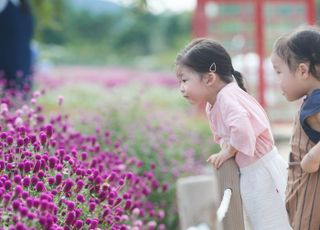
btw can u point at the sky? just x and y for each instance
(160, 6)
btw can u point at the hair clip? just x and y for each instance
(213, 67)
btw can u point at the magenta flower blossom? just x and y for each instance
(70, 218)
(78, 224)
(68, 185)
(9, 140)
(49, 130)
(50, 172)
(43, 138)
(58, 178)
(26, 182)
(92, 206)
(70, 205)
(40, 186)
(52, 162)
(81, 198)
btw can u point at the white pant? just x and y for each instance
(262, 187)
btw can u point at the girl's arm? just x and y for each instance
(226, 153)
(310, 162)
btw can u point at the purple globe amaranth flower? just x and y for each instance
(121, 182)
(59, 167)
(36, 202)
(9, 140)
(20, 142)
(37, 166)
(15, 205)
(17, 179)
(49, 130)
(71, 205)
(67, 158)
(26, 182)
(51, 180)
(43, 221)
(8, 185)
(93, 224)
(128, 204)
(20, 226)
(98, 180)
(29, 202)
(23, 211)
(79, 172)
(33, 138)
(54, 192)
(165, 187)
(52, 162)
(43, 138)
(3, 135)
(18, 190)
(6, 198)
(84, 156)
(118, 201)
(78, 224)
(78, 212)
(30, 216)
(81, 198)
(80, 185)
(112, 176)
(24, 195)
(2, 164)
(26, 141)
(40, 187)
(41, 174)
(43, 205)
(153, 166)
(92, 206)
(34, 180)
(70, 218)
(59, 178)
(27, 166)
(9, 166)
(68, 185)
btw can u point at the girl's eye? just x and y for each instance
(184, 80)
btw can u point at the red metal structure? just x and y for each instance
(200, 27)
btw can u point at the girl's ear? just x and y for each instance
(303, 70)
(210, 79)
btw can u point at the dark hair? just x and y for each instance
(24, 6)
(201, 53)
(300, 46)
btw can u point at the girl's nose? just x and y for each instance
(181, 88)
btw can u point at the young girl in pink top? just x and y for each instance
(241, 128)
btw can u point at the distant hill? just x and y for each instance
(96, 6)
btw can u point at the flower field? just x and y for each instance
(98, 150)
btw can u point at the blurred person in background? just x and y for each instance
(16, 31)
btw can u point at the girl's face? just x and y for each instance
(291, 83)
(192, 87)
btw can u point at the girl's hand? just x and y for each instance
(310, 162)
(219, 158)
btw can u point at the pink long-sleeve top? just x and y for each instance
(236, 118)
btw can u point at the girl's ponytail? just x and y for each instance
(239, 78)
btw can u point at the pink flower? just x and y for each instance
(60, 100)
